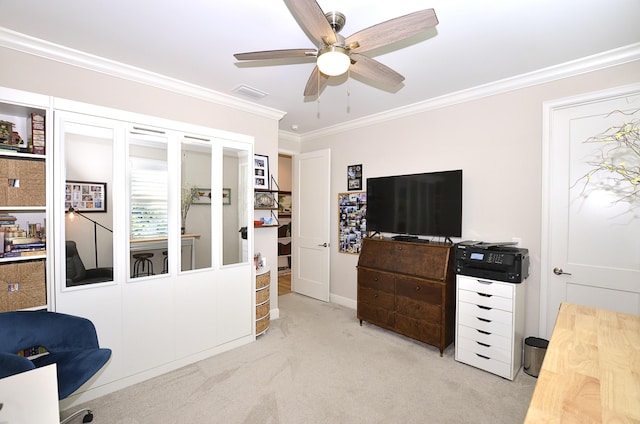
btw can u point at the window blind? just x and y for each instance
(149, 199)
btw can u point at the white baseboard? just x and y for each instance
(344, 301)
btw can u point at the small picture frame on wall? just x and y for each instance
(204, 196)
(226, 196)
(354, 177)
(85, 196)
(261, 172)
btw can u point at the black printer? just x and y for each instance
(494, 261)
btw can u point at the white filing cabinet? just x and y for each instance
(489, 324)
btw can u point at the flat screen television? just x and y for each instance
(428, 204)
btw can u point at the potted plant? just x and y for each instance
(188, 196)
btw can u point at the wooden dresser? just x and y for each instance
(591, 370)
(408, 288)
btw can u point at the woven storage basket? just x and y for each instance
(263, 280)
(262, 295)
(262, 325)
(24, 285)
(262, 310)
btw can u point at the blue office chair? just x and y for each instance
(70, 342)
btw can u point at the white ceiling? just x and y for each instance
(475, 43)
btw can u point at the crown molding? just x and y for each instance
(587, 64)
(45, 49)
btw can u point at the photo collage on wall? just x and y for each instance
(352, 221)
(85, 196)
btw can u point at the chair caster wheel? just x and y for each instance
(88, 418)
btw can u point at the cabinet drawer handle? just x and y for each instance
(375, 278)
(484, 344)
(483, 332)
(485, 295)
(375, 296)
(486, 308)
(482, 356)
(483, 319)
(417, 288)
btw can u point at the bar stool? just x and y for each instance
(142, 266)
(165, 262)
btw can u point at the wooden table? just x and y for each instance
(591, 370)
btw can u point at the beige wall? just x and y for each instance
(496, 140)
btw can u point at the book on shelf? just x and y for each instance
(29, 246)
(22, 240)
(37, 133)
(19, 254)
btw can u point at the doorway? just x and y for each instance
(284, 228)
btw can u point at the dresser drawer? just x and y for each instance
(484, 362)
(484, 286)
(487, 300)
(379, 316)
(377, 298)
(484, 349)
(485, 312)
(419, 310)
(482, 324)
(418, 329)
(490, 339)
(421, 290)
(377, 280)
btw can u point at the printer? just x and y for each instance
(494, 261)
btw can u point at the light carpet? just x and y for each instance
(316, 364)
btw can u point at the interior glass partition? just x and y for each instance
(197, 202)
(148, 204)
(235, 216)
(88, 223)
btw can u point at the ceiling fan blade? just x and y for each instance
(392, 30)
(374, 70)
(316, 83)
(276, 54)
(311, 17)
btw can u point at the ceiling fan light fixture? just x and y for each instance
(333, 60)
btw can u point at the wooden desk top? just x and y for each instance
(146, 240)
(591, 370)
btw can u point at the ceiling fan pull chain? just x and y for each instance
(349, 89)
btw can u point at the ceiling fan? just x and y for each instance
(336, 54)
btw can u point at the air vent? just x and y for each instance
(251, 92)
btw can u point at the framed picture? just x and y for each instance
(204, 196)
(352, 221)
(226, 196)
(85, 196)
(261, 172)
(264, 200)
(284, 203)
(354, 177)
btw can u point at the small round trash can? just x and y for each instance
(534, 350)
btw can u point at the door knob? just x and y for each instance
(323, 245)
(559, 271)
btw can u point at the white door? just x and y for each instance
(310, 232)
(591, 235)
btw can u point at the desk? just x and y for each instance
(158, 243)
(30, 397)
(591, 370)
